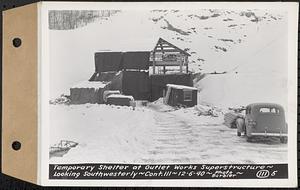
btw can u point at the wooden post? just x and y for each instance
(187, 63)
(181, 64)
(153, 62)
(162, 51)
(187, 68)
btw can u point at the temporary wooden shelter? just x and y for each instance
(126, 72)
(180, 95)
(88, 92)
(169, 65)
(130, 73)
(119, 61)
(158, 83)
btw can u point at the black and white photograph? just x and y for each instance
(159, 86)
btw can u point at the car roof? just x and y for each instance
(265, 104)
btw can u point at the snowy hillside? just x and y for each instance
(256, 71)
(210, 35)
(248, 44)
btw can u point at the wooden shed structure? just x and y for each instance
(180, 95)
(158, 83)
(88, 92)
(121, 61)
(141, 74)
(126, 72)
(168, 65)
(168, 57)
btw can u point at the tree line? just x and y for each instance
(72, 19)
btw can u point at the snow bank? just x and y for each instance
(201, 115)
(256, 72)
(104, 133)
(159, 105)
(234, 90)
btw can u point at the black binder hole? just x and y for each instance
(17, 42)
(16, 145)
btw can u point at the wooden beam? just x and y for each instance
(180, 66)
(153, 63)
(180, 50)
(186, 62)
(156, 45)
(167, 63)
(161, 48)
(164, 42)
(169, 50)
(166, 45)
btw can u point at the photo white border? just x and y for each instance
(290, 7)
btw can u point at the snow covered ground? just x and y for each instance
(249, 45)
(104, 133)
(153, 134)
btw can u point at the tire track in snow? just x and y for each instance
(172, 137)
(180, 140)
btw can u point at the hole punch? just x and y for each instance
(16, 145)
(17, 42)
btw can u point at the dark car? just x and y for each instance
(264, 120)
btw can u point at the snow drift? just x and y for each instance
(255, 72)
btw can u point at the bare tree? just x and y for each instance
(71, 19)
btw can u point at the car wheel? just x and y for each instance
(283, 140)
(238, 133)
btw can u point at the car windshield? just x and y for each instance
(269, 110)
